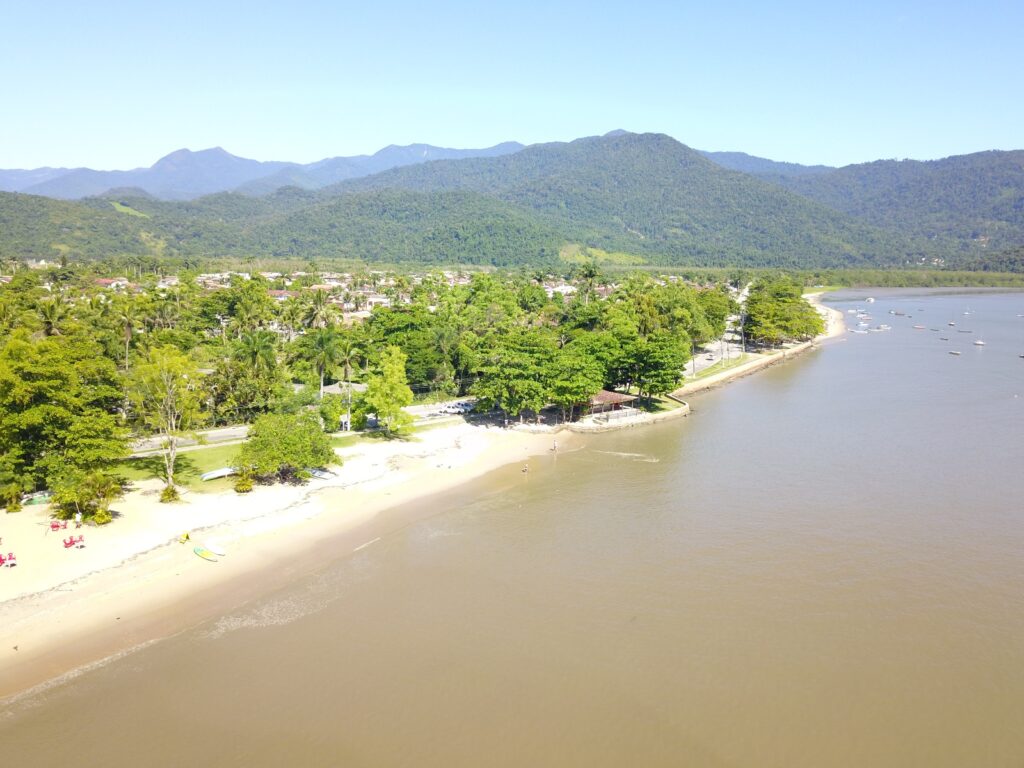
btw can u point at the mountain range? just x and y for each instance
(646, 197)
(185, 175)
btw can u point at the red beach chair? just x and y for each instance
(69, 542)
(10, 563)
(2, 559)
(80, 541)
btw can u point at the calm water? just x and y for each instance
(823, 566)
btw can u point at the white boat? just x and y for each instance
(217, 473)
(979, 343)
(950, 323)
(857, 330)
(870, 300)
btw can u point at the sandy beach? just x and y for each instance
(134, 582)
(63, 609)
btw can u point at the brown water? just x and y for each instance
(823, 566)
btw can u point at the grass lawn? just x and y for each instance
(187, 469)
(721, 365)
(122, 208)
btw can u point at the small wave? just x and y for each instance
(273, 614)
(33, 696)
(644, 457)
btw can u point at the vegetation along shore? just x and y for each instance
(332, 387)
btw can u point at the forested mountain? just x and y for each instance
(770, 170)
(649, 194)
(976, 200)
(645, 195)
(185, 175)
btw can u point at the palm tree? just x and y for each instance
(324, 352)
(52, 313)
(290, 317)
(319, 312)
(256, 350)
(349, 353)
(128, 318)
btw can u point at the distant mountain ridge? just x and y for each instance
(761, 167)
(187, 175)
(646, 196)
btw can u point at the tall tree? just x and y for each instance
(388, 392)
(167, 392)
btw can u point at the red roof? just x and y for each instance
(604, 397)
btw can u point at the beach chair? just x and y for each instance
(80, 541)
(58, 525)
(11, 560)
(69, 542)
(2, 559)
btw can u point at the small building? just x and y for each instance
(606, 401)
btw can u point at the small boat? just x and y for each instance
(854, 311)
(869, 300)
(857, 330)
(934, 329)
(963, 331)
(953, 352)
(979, 343)
(943, 338)
(217, 473)
(918, 327)
(950, 323)
(206, 554)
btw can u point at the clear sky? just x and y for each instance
(118, 85)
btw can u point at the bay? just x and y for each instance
(822, 566)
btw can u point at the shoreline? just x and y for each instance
(835, 326)
(134, 583)
(64, 612)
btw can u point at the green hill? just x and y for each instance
(642, 196)
(649, 194)
(974, 200)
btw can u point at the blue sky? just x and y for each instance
(119, 85)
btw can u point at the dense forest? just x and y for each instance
(87, 362)
(646, 196)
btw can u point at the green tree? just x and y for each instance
(89, 494)
(166, 390)
(388, 392)
(255, 349)
(513, 376)
(285, 446)
(574, 378)
(322, 349)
